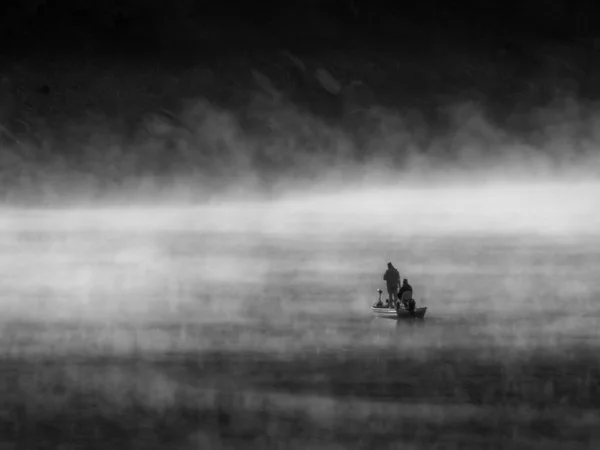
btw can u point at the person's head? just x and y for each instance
(405, 281)
(390, 265)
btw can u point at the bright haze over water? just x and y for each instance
(311, 253)
(566, 208)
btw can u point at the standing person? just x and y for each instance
(392, 279)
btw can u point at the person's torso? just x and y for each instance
(392, 276)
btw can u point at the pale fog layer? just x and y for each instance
(517, 263)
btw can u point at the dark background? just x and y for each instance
(63, 21)
(83, 76)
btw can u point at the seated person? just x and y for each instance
(406, 288)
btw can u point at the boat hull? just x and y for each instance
(400, 313)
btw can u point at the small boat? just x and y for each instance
(400, 313)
